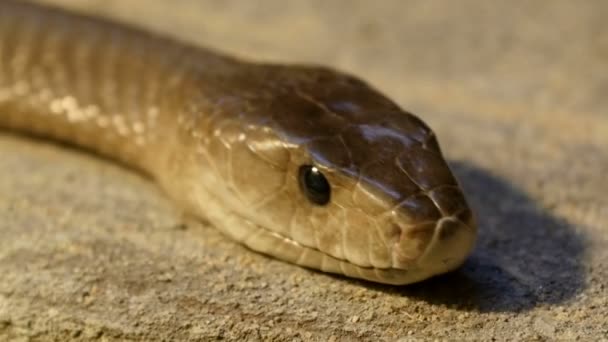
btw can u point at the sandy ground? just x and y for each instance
(517, 93)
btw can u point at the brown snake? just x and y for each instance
(303, 163)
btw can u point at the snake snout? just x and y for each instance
(452, 242)
(442, 239)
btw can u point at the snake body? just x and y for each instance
(303, 163)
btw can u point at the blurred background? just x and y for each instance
(517, 92)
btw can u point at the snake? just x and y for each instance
(300, 162)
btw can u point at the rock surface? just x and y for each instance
(516, 92)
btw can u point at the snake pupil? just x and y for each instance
(314, 185)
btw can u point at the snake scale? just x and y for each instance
(303, 163)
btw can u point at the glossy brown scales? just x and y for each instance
(350, 131)
(227, 138)
(349, 127)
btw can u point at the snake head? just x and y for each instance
(332, 175)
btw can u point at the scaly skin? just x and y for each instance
(226, 138)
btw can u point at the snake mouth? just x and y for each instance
(452, 240)
(440, 245)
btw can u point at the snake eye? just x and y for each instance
(314, 185)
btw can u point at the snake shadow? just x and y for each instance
(524, 257)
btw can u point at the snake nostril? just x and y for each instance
(394, 233)
(411, 244)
